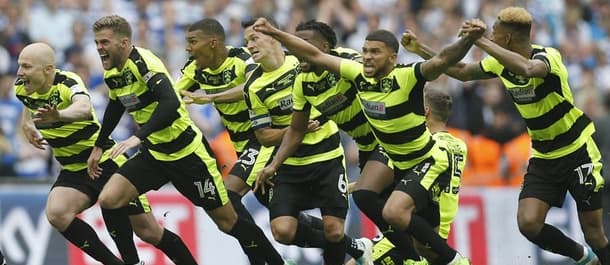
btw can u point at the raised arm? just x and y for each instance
(453, 53)
(513, 61)
(299, 47)
(460, 71)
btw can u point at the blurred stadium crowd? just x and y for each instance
(483, 115)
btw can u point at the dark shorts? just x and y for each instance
(377, 154)
(579, 173)
(326, 188)
(195, 176)
(424, 183)
(252, 160)
(80, 180)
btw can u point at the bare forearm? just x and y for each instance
(448, 56)
(453, 53)
(76, 112)
(425, 51)
(290, 144)
(231, 95)
(297, 46)
(270, 137)
(511, 60)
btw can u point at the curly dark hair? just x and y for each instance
(322, 28)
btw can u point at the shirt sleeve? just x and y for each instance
(491, 66)
(299, 102)
(350, 69)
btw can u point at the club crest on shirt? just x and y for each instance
(118, 81)
(222, 78)
(386, 85)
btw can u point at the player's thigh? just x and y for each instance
(117, 192)
(74, 191)
(252, 160)
(66, 200)
(331, 195)
(375, 176)
(142, 173)
(198, 179)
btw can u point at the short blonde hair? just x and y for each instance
(516, 16)
(117, 24)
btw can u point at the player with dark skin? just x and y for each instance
(408, 143)
(565, 157)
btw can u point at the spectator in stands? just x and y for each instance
(10, 112)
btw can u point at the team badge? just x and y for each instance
(227, 75)
(386, 85)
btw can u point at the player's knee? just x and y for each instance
(333, 229)
(529, 226)
(395, 215)
(282, 233)
(333, 234)
(59, 218)
(108, 200)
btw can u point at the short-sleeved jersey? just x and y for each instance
(336, 99)
(394, 108)
(555, 125)
(231, 73)
(457, 152)
(130, 87)
(269, 98)
(71, 142)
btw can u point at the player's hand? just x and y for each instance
(351, 187)
(473, 29)
(46, 114)
(34, 137)
(195, 98)
(93, 162)
(262, 25)
(264, 178)
(313, 125)
(123, 146)
(410, 42)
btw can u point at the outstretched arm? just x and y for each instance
(453, 53)
(79, 110)
(299, 47)
(232, 95)
(460, 71)
(513, 61)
